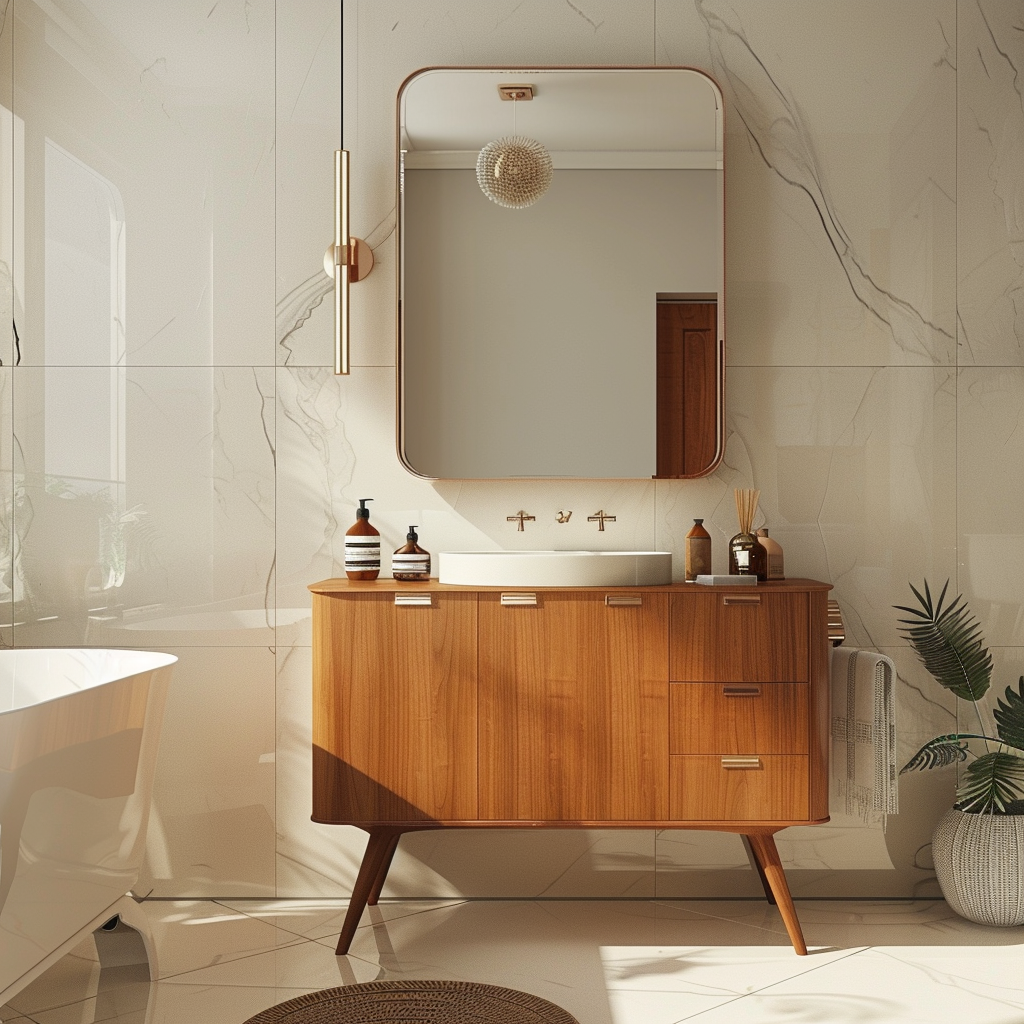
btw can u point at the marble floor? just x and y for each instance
(610, 962)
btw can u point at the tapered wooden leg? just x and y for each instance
(756, 864)
(763, 847)
(382, 874)
(379, 850)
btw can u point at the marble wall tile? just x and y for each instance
(990, 496)
(147, 491)
(176, 114)
(212, 826)
(856, 467)
(840, 199)
(308, 131)
(990, 187)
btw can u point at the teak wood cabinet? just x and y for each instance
(680, 706)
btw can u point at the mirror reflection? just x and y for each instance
(579, 335)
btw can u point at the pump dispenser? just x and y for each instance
(362, 546)
(410, 562)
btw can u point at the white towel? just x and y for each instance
(863, 734)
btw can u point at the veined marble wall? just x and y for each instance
(178, 461)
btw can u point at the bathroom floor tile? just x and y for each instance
(192, 934)
(306, 965)
(605, 962)
(874, 985)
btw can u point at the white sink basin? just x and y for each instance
(555, 568)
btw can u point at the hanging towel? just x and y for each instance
(863, 748)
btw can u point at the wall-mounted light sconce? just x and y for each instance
(347, 260)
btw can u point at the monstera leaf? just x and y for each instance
(948, 641)
(939, 752)
(993, 784)
(1010, 716)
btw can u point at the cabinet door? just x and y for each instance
(740, 638)
(573, 708)
(394, 709)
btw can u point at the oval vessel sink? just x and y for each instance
(555, 568)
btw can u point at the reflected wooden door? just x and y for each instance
(687, 387)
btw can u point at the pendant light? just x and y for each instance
(514, 171)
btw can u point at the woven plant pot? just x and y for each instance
(979, 860)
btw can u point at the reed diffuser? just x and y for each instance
(746, 556)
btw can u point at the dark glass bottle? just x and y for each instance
(698, 551)
(747, 557)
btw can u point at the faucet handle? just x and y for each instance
(521, 517)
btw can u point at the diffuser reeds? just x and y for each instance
(746, 506)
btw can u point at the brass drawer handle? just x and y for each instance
(414, 600)
(741, 599)
(741, 691)
(623, 600)
(514, 600)
(741, 762)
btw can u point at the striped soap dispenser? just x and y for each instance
(362, 546)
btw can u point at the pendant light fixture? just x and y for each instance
(514, 171)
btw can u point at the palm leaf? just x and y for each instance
(939, 752)
(949, 643)
(1010, 716)
(992, 784)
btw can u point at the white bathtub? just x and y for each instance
(78, 739)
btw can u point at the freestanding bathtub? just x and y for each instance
(79, 731)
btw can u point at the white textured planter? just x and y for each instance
(979, 860)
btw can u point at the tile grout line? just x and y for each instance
(783, 981)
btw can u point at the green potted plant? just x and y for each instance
(978, 846)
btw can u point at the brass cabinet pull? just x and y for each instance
(741, 691)
(623, 600)
(512, 600)
(414, 600)
(741, 599)
(733, 763)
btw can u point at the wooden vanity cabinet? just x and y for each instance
(679, 706)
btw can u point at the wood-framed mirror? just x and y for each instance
(582, 335)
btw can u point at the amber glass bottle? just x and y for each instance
(362, 546)
(698, 551)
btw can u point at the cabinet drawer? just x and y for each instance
(738, 718)
(711, 788)
(745, 637)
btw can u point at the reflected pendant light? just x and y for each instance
(514, 171)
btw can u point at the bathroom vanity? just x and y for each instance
(678, 706)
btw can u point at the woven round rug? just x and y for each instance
(415, 1002)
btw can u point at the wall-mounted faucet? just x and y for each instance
(521, 517)
(600, 518)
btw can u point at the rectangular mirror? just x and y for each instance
(581, 335)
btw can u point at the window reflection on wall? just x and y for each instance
(72, 515)
(84, 316)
